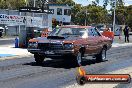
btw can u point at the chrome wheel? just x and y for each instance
(79, 58)
(103, 54)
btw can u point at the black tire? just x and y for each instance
(39, 58)
(101, 56)
(0, 34)
(69, 59)
(81, 80)
(74, 59)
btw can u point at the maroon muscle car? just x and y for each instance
(70, 42)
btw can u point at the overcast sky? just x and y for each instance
(86, 2)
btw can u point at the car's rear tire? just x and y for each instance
(39, 58)
(101, 56)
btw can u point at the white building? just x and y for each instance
(62, 14)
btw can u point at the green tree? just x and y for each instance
(15, 4)
(3, 4)
(75, 13)
(95, 14)
(121, 14)
(11, 4)
(68, 2)
(96, 2)
(129, 16)
(118, 3)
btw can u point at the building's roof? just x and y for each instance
(57, 5)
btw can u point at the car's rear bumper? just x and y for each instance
(51, 52)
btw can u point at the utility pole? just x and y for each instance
(114, 15)
(34, 2)
(26, 1)
(86, 17)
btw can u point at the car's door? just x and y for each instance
(98, 39)
(92, 42)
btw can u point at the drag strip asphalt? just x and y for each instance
(25, 73)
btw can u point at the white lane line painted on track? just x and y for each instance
(121, 44)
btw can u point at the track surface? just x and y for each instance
(24, 73)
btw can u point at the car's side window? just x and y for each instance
(95, 31)
(90, 32)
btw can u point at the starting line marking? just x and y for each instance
(123, 44)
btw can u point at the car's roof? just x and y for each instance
(75, 26)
